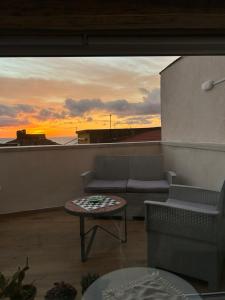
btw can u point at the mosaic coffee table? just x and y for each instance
(91, 206)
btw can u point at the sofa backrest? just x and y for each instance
(146, 167)
(112, 167)
(124, 167)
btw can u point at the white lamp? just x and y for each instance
(208, 85)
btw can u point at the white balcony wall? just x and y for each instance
(190, 114)
(196, 164)
(193, 120)
(34, 178)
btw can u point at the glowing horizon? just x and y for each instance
(58, 96)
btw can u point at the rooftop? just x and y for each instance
(119, 135)
(172, 63)
(140, 129)
(31, 139)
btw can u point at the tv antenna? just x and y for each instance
(110, 120)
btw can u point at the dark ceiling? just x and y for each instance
(44, 16)
(94, 27)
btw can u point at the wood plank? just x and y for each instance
(111, 15)
(51, 241)
(77, 22)
(98, 7)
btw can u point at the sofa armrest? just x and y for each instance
(87, 177)
(193, 194)
(171, 177)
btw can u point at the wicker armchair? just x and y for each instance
(186, 233)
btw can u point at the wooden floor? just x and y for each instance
(51, 241)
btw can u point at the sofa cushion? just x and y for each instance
(143, 186)
(146, 167)
(106, 186)
(112, 167)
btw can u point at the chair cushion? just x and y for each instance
(141, 186)
(106, 186)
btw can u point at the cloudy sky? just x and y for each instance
(58, 96)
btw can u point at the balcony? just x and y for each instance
(35, 184)
(37, 181)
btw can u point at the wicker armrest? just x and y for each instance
(171, 177)
(193, 194)
(169, 219)
(87, 176)
(152, 204)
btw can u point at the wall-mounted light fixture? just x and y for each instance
(208, 85)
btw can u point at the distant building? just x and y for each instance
(91, 136)
(25, 139)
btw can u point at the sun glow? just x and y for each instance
(35, 131)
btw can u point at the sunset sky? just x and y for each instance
(58, 96)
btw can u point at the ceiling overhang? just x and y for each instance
(94, 27)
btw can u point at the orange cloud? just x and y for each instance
(37, 91)
(34, 90)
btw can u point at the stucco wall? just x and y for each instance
(193, 121)
(196, 164)
(190, 114)
(42, 177)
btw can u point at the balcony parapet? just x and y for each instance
(200, 146)
(78, 146)
(42, 177)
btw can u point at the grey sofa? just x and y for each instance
(186, 233)
(136, 178)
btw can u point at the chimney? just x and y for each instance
(21, 134)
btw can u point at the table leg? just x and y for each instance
(125, 226)
(82, 239)
(83, 249)
(122, 239)
(84, 252)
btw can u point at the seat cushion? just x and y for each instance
(106, 186)
(141, 186)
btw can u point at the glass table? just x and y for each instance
(153, 284)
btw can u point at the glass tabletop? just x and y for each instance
(142, 282)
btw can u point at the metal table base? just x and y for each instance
(85, 249)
